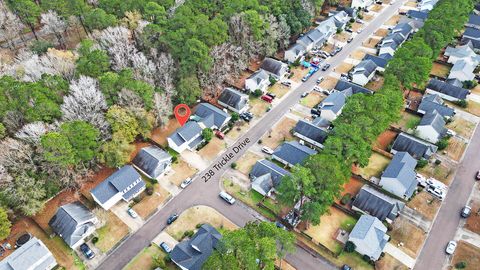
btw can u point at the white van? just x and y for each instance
(227, 197)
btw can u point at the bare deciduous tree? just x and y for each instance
(116, 41)
(32, 132)
(16, 156)
(54, 24)
(10, 26)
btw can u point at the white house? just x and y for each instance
(464, 60)
(33, 255)
(395, 38)
(294, 53)
(331, 107)
(369, 236)
(234, 100)
(274, 68)
(431, 127)
(312, 38)
(364, 72)
(361, 3)
(258, 80)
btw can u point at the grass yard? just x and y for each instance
(358, 54)
(258, 107)
(393, 20)
(145, 260)
(212, 149)
(410, 235)
(442, 172)
(312, 99)
(476, 89)
(407, 121)
(381, 32)
(467, 253)
(246, 162)
(440, 70)
(389, 263)
(279, 89)
(473, 222)
(356, 26)
(188, 220)
(376, 164)
(328, 83)
(371, 42)
(159, 135)
(376, 83)
(328, 47)
(149, 204)
(279, 133)
(298, 73)
(462, 127)
(367, 17)
(425, 204)
(324, 233)
(376, 8)
(473, 107)
(342, 37)
(111, 233)
(411, 4)
(344, 68)
(455, 148)
(181, 170)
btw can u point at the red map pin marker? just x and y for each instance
(182, 113)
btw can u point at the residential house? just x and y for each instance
(341, 19)
(351, 12)
(373, 202)
(434, 102)
(417, 15)
(124, 184)
(73, 222)
(191, 254)
(361, 4)
(369, 236)
(327, 27)
(189, 136)
(259, 80)
(33, 255)
(380, 61)
(427, 5)
(473, 21)
(446, 90)
(234, 100)
(431, 127)
(364, 72)
(395, 38)
(311, 39)
(464, 60)
(310, 133)
(322, 123)
(399, 177)
(476, 9)
(471, 33)
(274, 68)
(331, 107)
(295, 53)
(153, 161)
(292, 153)
(348, 88)
(265, 176)
(416, 147)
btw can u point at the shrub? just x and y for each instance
(188, 234)
(207, 134)
(346, 199)
(421, 163)
(3, 131)
(442, 144)
(199, 225)
(339, 30)
(461, 103)
(40, 46)
(236, 116)
(167, 259)
(296, 63)
(149, 190)
(366, 258)
(352, 20)
(95, 240)
(136, 199)
(469, 84)
(272, 80)
(174, 159)
(259, 141)
(257, 93)
(461, 265)
(438, 162)
(234, 165)
(360, 16)
(350, 247)
(158, 262)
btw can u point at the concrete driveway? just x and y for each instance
(165, 237)
(120, 210)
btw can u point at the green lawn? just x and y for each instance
(148, 259)
(376, 164)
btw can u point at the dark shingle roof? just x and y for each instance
(419, 15)
(311, 131)
(293, 152)
(271, 65)
(233, 98)
(321, 122)
(192, 254)
(365, 67)
(152, 160)
(379, 61)
(435, 120)
(349, 88)
(33, 255)
(402, 169)
(474, 20)
(115, 183)
(206, 110)
(472, 33)
(377, 204)
(334, 102)
(434, 102)
(71, 222)
(268, 173)
(447, 89)
(475, 42)
(416, 147)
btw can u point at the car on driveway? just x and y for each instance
(286, 83)
(346, 267)
(319, 80)
(267, 150)
(172, 218)
(304, 94)
(227, 197)
(451, 246)
(132, 213)
(477, 176)
(186, 182)
(165, 247)
(440, 194)
(466, 211)
(327, 66)
(87, 251)
(350, 40)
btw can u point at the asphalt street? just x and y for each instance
(433, 254)
(206, 193)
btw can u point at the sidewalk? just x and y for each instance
(399, 255)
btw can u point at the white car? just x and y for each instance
(452, 245)
(227, 197)
(267, 150)
(186, 182)
(319, 80)
(359, 31)
(421, 180)
(132, 213)
(440, 194)
(316, 88)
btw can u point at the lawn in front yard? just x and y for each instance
(440, 70)
(356, 26)
(455, 148)
(328, 83)
(344, 68)
(180, 171)
(200, 214)
(149, 203)
(388, 262)
(298, 73)
(473, 222)
(467, 253)
(462, 127)
(411, 4)
(376, 164)
(246, 162)
(324, 233)
(212, 149)
(111, 233)
(146, 259)
(472, 107)
(359, 54)
(393, 20)
(376, 8)
(371, 42)
(279, 133)
(410, 235)
(381, 32)
(425, 204)
(376, 83)
(442, 172)
(312, 99)
(258, 106)
(408, 121)
(279, 90)
(342, 37)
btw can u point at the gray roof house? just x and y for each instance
(322, 123)
(472, 33)
(369, 236)
(399, 177)
(73, 222)
(435, 102)
(33, 255)
(191, 254)
(381, 62)
(349, 88)
(373, 202)
(310, 133)
(258, 80)
(473, 21)
(332, 106)
(417, 148)
(395, 38)
(294, 53)
(153, 161)
(417, 15)
(311, 39)
(292, 153)
(124, 184)
(234, 100)
(446, 91)
(341, 19)
(364, 72)
(274, 68)
(265, 176)
(427, 5)
(432, 127)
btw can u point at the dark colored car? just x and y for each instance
(327, 66)
(87, 251)
(165, 247)
(272, 95)
(466, 211)
(346, 267)
(477, 176)
(172, 218)
(280, 225)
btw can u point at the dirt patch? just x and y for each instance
(356, 26)
(442, 172)
(388, 262)
(149, 204)
(212, 149)
(238, 129)
(411, 4)
(111, 233)
(376, 165)
(440, 70)
(414, 99)
(467, 253)
(376, 83)
(462, 127)
(280, 133)
(473, 222)
(425, 204)
(240, 81)
(96, 179)
(410, 235)
(298, 73)
(325, 232)
(343, 68)
(376, 8)
(358, 54)
(342, 37)
(258, 107)
(455, 148)
(246, 162)
(476, 89)
(367, 17)
(371, 42)
(381, 32)
(181, 170)
(200, 214)
(328, 47)
(312, 99)
(279, 90)
(159, 135)
(385, 139)
(352, 187)
(328, 83)
(146, 259)
(393, 20)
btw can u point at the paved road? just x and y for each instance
(433, 254)
(206, 193)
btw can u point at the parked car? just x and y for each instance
(87, 251)
(272, 95)
(451, 246)
(132, 213)
(185, 183)
(266, 98)
(327, 66)
(359, 31)
(435, 191)
(280, 225)
(477, 176)
(247, 116)
(319, 80)
(346, 267)
(350, 40)
(349, 30)
(286, 83)
(466, 211)
(267, 150)
(316, 88)
(219, 134)
(304, 94)
(227, 197)
(172, 218)
(165, 247)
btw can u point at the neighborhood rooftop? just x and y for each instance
(447, 89)
(349, 88)
(266, 175)
(33, 255)
(434, 102)
(416, 147)
(399, 177)
(152, 160)
(117, 183)
(293, 152)
(377, 204)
